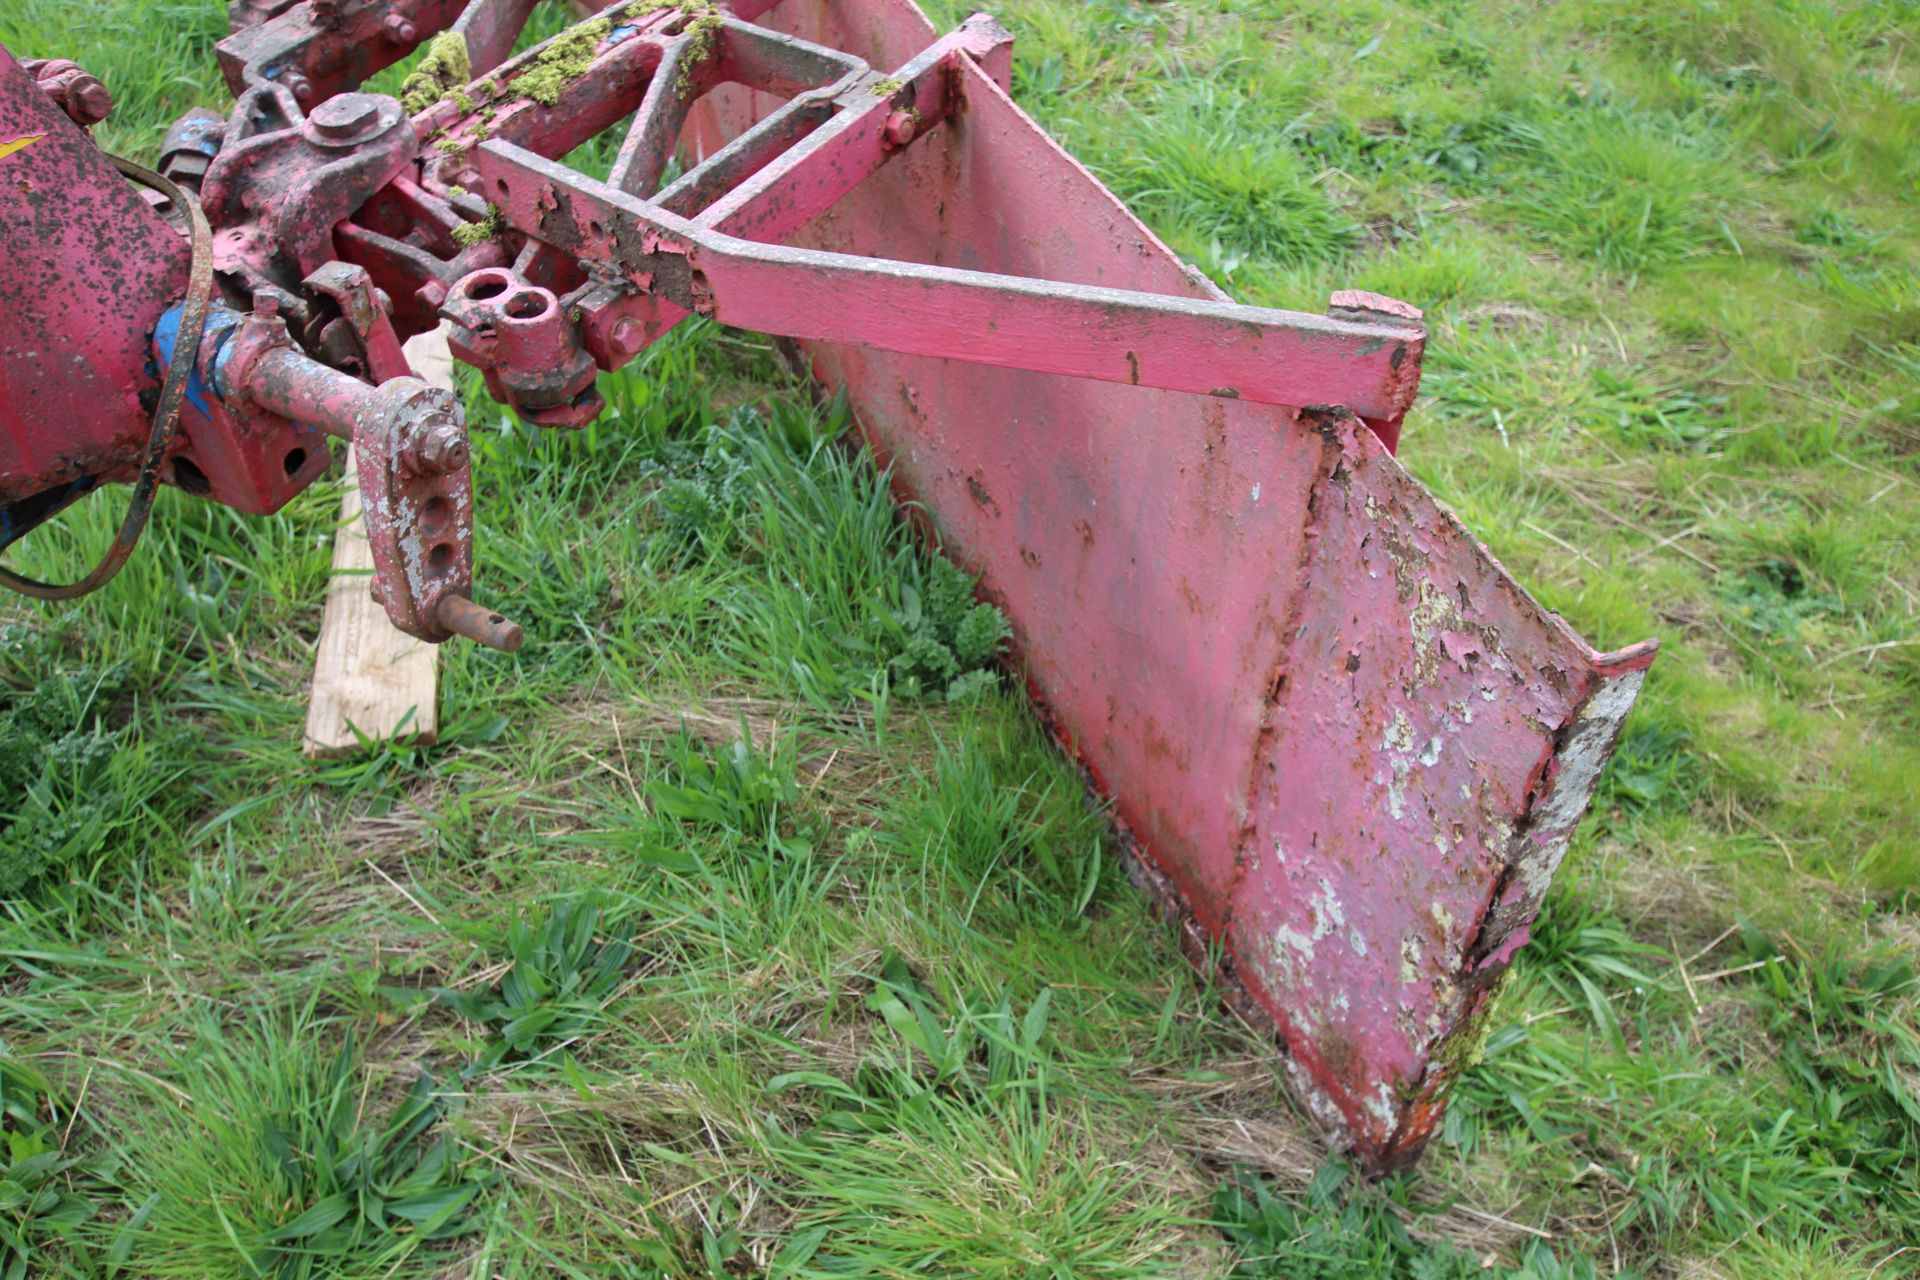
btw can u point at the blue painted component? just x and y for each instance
(221, 322)
(201, 135)
(619, 34)
(222, 355)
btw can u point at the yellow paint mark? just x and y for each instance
(19, 144)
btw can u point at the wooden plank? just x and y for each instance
(367, 675)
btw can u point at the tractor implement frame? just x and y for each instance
(1345, 750)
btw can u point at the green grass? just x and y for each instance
(745, 923)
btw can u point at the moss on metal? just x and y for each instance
(446, 66)
(703, 35)
(1464, 1049)
(564, 60)
(468, 234)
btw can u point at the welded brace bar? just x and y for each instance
(705, 264)
(1112, 335)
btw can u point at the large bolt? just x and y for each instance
(88, 101)
(345, 116)
(626, 337)
(903, 126)
(84, 99)
(400, 29)
(440, 448)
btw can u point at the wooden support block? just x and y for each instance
(368, 675)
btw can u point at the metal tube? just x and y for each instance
(463, 617)
(300, 388)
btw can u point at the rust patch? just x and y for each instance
(982, 498)
(1158, 746)
(1342, 1056)
(1195, 605)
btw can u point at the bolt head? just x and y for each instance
(626, 336)
(299, 86)
(345, 116)
(90, 103)
(443, 448)
(400, 29)
(902, 126)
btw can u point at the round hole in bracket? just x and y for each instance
(291, 464)
(482, 285)
(435, 515)
(528, 304)
(440, 559)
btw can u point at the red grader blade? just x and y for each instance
(1345, 748)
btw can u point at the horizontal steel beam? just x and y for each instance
(1110, 335)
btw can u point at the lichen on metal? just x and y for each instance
(442, 69)
(701, 33)
(468, 234)
(563, 60)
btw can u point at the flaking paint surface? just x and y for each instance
(1418, 697)
(85, 270)
(1333, 725)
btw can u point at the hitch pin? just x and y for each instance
(463, 617)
